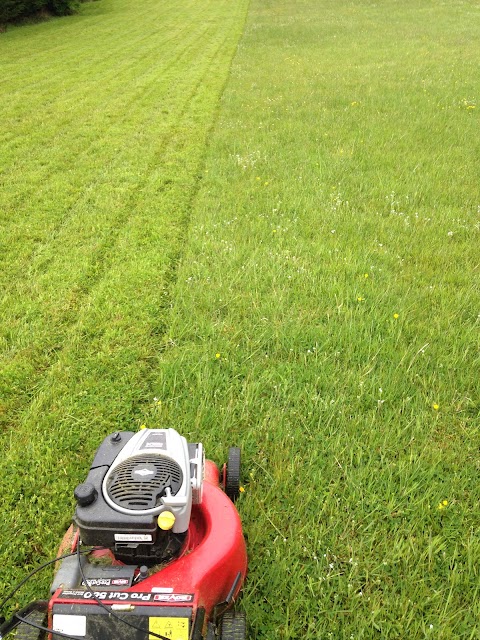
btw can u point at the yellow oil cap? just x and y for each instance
(166, 520)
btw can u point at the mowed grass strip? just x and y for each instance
(92, 164)
(326, 317)
(97, 186)
(83, 153)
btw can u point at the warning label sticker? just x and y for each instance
(174, 628)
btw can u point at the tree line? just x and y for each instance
(12, 10)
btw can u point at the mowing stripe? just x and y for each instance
(79, 242)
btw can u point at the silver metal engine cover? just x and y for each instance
(153, 473)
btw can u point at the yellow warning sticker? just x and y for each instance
(174, 628)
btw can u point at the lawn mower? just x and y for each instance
(155, 550)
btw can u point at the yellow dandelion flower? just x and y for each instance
(274, 231)
(217, 355)
(440, 506)
(436, 406)
(395, 315)
(360, 299)
(265, 184)
(445, 503)
(242, 490)
(143, 426)
(365, 275)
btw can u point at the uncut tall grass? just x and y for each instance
(327, 316)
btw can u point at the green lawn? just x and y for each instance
(105, 118)
(288, 262)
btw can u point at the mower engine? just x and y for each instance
(138, 495)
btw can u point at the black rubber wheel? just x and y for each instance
(27, 632)
(232, 474)
(233, 626)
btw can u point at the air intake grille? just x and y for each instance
(139, 483)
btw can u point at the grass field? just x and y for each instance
(279, 252)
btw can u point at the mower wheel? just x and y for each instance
(233, 626)
(211, 635)
(232, 474)
(27, 632)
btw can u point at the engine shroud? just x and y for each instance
(133, 478)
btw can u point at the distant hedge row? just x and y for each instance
(15, 9)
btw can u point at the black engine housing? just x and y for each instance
(100, 525)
